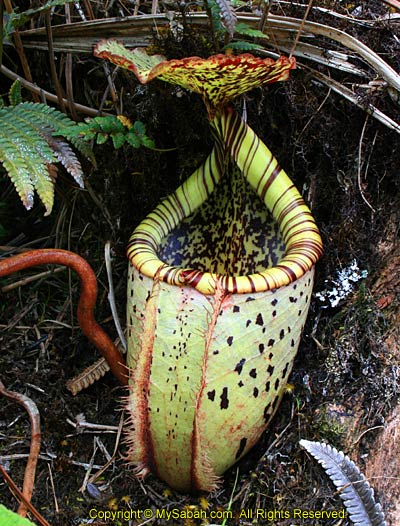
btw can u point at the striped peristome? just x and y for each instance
(260, 168)
(218, 292)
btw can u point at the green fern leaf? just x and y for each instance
(139, 128)
(242, 45)
(87, 130)
(27, 148)
(43, 116)
(215, 14)
(20, 176)
(52, 120)
(44, 186)
(26, 137)
(101, 138)
(245, 30)
(149, 143)
(119, 128)
(14, 95)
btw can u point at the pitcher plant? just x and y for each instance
(219, 285)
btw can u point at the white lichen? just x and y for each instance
(342, 286)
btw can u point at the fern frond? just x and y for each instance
(27, 149)
(44, 186)
(14, 95)
(19, 175)
(242, 45)
(66, 157)
(354, 489)
(48, 118)
(215, 14)
(43, 116)
(26, 137)
(88, 377)
(228, 15)
(245, 30)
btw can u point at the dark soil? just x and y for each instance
(345, 380)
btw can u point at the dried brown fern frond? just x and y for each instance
(87, 377)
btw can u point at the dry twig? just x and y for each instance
(30, 279)
(98, 473)
(14, 488)
(359, 164)
(34, 417)
(33, 88)
(111, 295)
(20, 49)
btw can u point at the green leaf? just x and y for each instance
(243, 29)
(216, 16)
(101, 138)
(119, 128)
(242, 45)
(14, 94)
(9, 518)
(107, 124)
(133, 140)
(139, 128)
(118, 139)
(149, 143)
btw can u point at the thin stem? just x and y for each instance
(301, 28)
(359, 163)
(53, 68)
(20, 49)
(111, 295)
(68, 72)
(49, 96)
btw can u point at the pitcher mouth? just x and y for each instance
(219, 79)
(301, 244)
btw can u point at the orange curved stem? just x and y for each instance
(87, 299)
